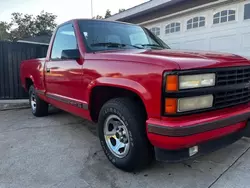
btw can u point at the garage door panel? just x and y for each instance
(194, 44)
(175, 46)
(246, 40)
(227, 43)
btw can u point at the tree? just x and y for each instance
(121, 10)
(98, 17)
(25, 25)
(4, 30)
(45, 23)
(108, 14)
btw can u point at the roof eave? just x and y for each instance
(142, 9)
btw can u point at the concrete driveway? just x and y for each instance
(63, 151)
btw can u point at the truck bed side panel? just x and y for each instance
(33, 69)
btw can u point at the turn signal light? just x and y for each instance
(170, 105)
(172, 83)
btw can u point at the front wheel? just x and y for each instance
(38, 106)
(122, 134)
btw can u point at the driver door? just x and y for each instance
(63, 78)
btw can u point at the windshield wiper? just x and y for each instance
(115, 45)
(152, 45)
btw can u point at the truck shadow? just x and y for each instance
(53, 110)
(97, 171)
(200, 172)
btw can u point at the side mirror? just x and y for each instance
(71, 54)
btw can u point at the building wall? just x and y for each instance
(163, 11)
(233, 37)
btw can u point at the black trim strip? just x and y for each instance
(68, 101)
(199, 128)
(40, 92)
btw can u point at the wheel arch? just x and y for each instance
(28, 82)
(103, 90)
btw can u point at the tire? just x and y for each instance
(38, 106)
(139, 153)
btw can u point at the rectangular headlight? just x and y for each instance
(196, 81)
(195, 103)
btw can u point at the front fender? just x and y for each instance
(123, 83)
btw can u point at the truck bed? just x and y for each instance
(28, 70)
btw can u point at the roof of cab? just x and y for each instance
(99, 20)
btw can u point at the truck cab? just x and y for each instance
(148, 101)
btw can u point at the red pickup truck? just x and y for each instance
(149, 101)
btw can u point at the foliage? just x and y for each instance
(23, 26)
(26, 25)
(4, 30)
(97, 17)
(121, 10)
(45, 23)
(108, 14)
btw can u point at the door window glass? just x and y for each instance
(64, 40)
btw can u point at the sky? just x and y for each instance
(64, 9)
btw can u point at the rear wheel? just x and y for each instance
(38, 106)
(122, 134)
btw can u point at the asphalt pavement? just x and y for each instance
(63, 151)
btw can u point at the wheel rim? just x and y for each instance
(116, 136)
(33, 101)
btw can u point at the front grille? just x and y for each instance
(236, 76)
(227, 77)
(231, 98)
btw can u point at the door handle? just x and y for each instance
(47, 70)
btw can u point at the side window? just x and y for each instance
(173, 27)
(247, 11)
(64, 40)
(224, 16)
(196, 22)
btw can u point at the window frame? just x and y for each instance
(194, 22)
(170, 27)
(53, 42)
(227, 16)
(246, 3)
(156, 27)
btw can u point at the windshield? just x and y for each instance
(102, 35)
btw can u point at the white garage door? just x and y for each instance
(224, 29)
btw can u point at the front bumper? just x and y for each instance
(204, 148)
(184, 132)
(198, 128)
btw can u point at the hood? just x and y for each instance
(201, 59)
(181, 59)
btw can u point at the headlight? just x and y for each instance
(195, 103)
(196, 81)
(173, 105)
(177, 82)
